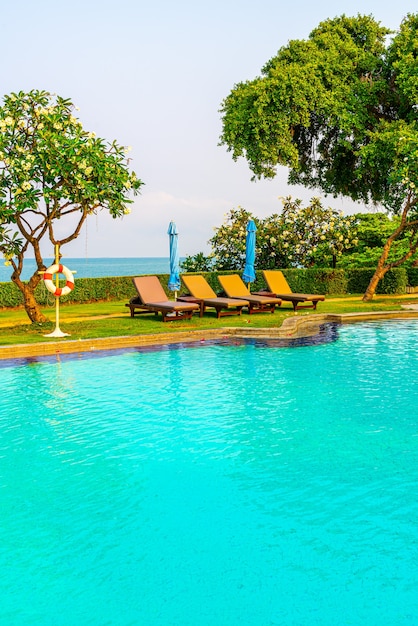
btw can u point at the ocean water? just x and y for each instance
(219, 485)
(98, 267)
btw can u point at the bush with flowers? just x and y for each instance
(297, 237)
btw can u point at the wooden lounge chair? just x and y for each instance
(278, 286)
(151, 297)
(235, 288)
(200, 289)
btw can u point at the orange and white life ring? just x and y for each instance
(51, 286)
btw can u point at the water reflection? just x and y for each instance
(327, 333)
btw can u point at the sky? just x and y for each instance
(152, 76)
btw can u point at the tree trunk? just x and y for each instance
(382, 267)
(376, 278)
(32, 307)
(379, 273)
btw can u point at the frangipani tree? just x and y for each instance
(297, 237)
(314, 233)
(50, 169)
(340, 111)
(228, 242)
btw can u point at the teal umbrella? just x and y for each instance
(174, 280)
(249, 271)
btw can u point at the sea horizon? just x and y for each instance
(97, 267)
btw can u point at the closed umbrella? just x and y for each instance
(174, 280)
(249, 271)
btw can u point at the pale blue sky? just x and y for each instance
(152, 75)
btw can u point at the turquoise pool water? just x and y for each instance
(215, 485)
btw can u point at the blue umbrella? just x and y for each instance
(249, 271)
(174, 280)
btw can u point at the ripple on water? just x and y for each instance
(217, 485)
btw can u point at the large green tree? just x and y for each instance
(51, 169)
(373, 230)
(340, 111)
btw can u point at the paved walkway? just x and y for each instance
(410, 307)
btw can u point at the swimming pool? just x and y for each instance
(216, 485)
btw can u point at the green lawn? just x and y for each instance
(112, 319)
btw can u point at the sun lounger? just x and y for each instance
(278, 286)
(200, 289)
(235, 288)
(152, 297)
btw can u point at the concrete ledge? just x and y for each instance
(292, 327)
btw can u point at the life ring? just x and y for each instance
(51, 286)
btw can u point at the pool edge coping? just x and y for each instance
(292, 327)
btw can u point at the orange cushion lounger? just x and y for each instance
(278, 286)
(235, 288)
(151, 297)
(201, 290)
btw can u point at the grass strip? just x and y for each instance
(112, 319)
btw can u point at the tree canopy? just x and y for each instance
(340, 111)
(51, 168)
(373, 230)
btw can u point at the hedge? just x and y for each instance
(326, 281)
(394, 281)
(412, 276)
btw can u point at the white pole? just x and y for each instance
(57, 332)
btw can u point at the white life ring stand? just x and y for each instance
(51, 286)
